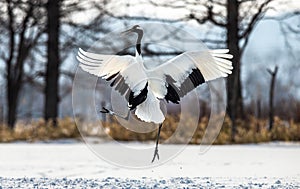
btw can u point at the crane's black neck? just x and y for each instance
(139, 41)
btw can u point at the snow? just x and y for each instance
(179, 182)
(274, 165)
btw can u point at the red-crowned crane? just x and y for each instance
(144, 88)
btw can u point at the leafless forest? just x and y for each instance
(39, 40)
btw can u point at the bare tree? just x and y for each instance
(53, 61)
(238, 23)
(64, 36)
(271, 98)
(22, 35)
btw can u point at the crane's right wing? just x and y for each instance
(102, 65)
(126, 74)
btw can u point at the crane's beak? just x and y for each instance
(126, 32)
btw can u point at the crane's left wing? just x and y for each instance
(188, 70)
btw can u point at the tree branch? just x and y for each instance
(23, 46)
(11, 40)
(211, 17)
(200, 21)
(272, 73)
(168, 5)
(284, 16)
(140, 18)
(244, 1)
(258, 16)
(219, 3)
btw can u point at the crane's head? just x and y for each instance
(135, 29)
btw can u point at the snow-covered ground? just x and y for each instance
(54, 165)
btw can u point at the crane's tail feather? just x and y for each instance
(149, 110)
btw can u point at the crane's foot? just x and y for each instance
(156, 146)
(107, 111)
(104, 110)
(155, 154)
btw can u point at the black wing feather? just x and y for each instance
(174, 93)
(119, 83)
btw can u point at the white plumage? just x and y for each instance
(144, 88)
(149, 110)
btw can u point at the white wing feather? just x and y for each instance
(105, 66)
(149, 110)
(212, 64)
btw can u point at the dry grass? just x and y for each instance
(248, 131)
(39, 130)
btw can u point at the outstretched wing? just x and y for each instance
(101, 65)
(188, 70)
(124, 72)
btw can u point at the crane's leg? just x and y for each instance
(107, 111)
(156, 147)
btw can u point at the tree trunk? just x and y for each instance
(234, 94)
(52, 73)
(12, 98)
(15, 62)
(271, 108)
(258, 114)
